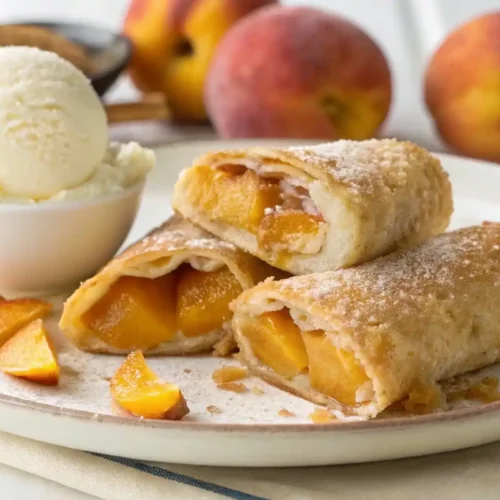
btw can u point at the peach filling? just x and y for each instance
(140, 313)
(280, 344)
(237, 196)
(276, 341)
(203, 300)
(135, 313)
(236, 199)
(291, 230)
(333, 371)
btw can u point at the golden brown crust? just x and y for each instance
(421, 315)
(225, 345)
(158, 253)
(364, 168)
(376, 196)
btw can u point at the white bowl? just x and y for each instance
(50, 247)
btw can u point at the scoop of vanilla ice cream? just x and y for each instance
(53, 126)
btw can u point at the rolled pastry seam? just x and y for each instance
(359, 339)
(168, 293)
(318, 208)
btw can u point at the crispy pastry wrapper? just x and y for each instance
(175, 242)
(375, 196)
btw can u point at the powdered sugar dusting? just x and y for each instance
(213, 244)
(364, 166)
(403, 280)
(169, 240)
(176, 234)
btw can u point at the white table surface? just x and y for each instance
(407, 30)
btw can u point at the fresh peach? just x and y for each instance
(298, 72)
(174, 41)
(462, 88)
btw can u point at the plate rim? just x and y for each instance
(336, 425)
(183, 141)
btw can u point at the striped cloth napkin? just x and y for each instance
(460, 475)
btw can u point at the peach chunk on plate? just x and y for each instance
(30, 355)
(16, 314)
(138, 390)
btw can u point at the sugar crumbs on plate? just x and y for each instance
(322, 416)
(430, 398)
(233, 387)
(424, 398)
(286, 413)
(229, 374)
(486, 390)
(257, 391)
(214, 410)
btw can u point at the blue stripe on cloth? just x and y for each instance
(181, 478)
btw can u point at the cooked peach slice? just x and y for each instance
(203, 300)
(136, 313)
(276, 341)
(236, 199)
(16, 314)
(292, 231)
(29, 355)
(333, 371)
(137, 389)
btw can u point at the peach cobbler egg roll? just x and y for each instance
(318, 208)
(359, 339)
(167, 294)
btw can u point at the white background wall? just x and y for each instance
(436, 16)
(407, 30)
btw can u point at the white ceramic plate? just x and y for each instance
(248, 431)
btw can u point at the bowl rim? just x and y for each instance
(135, 189)
(122, 62)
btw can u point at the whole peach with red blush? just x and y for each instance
(298, 72)
(462, 88)
(174, 41)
